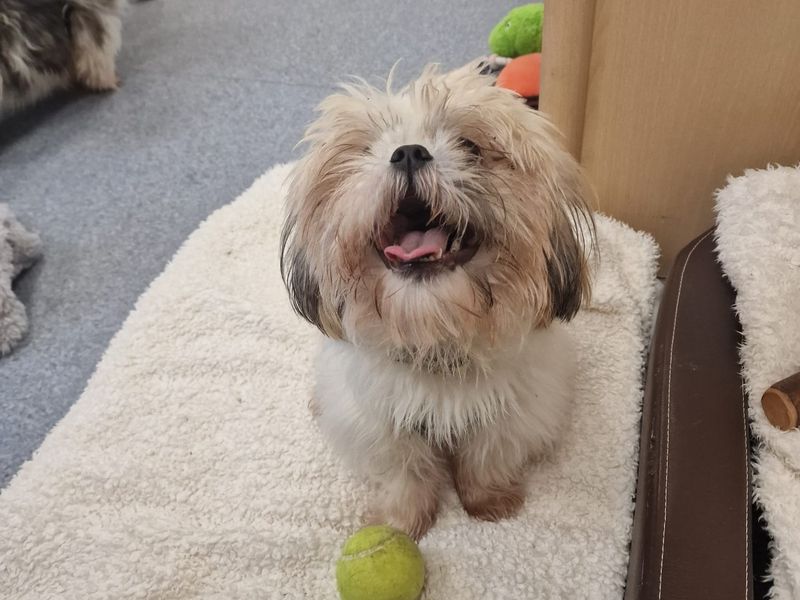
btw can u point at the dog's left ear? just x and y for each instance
(567, 275)
(571, 239)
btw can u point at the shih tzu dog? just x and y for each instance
(47, 45)
(437, 236)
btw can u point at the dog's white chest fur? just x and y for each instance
(370, 396)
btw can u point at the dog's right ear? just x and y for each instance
(302, 285)
(296, 274)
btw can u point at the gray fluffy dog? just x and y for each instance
(19, 249)
(52, 44)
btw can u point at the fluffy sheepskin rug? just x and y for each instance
(191, 466)
(758, 240)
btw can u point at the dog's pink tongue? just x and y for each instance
(418, 244)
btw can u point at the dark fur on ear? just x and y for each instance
(567, 274)
(571, 240)
(303, 287)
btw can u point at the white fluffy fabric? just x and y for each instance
(758, 239)
(191, 467)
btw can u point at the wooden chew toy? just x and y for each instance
(781, 403)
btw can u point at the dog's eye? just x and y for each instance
(470, 146)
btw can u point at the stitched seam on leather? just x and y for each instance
(669, 406)
(746, 500)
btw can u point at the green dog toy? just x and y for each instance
(380, 563)
(520, 32)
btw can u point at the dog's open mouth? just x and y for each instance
(415, 242)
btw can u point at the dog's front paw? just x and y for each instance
(101, 82)
(414, 525)
(492, 503)
(94, 70)
(415, 519)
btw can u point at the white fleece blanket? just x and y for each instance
(758, 240)
(190, 467)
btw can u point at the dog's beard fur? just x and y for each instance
(421, 381)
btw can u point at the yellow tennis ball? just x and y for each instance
(380, 563)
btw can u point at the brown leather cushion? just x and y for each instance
(691, 534)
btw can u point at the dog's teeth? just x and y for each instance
(456, 245)
(431, 257)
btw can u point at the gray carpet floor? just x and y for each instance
(213, 94)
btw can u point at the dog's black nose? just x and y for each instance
(410, 158)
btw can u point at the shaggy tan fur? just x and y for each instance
(49, 45)
(498, 171)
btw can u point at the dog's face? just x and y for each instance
(439, 219)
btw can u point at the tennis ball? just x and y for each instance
(380, 563)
